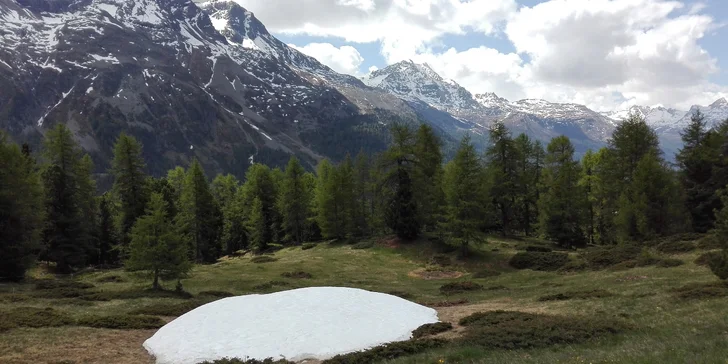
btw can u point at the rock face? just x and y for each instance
(188, 80)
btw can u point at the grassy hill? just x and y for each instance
(604, 305)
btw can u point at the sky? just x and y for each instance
(606, 54)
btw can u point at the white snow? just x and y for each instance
(248, 43)
(89, 90)
(108, 58)
(307, 323)
(109, 8)
(219, 23)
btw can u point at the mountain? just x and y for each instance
(189, 80)
(458, 111)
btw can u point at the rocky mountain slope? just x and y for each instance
(189, 80)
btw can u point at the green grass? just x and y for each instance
(675, 314)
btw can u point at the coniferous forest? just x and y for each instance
(51, 211)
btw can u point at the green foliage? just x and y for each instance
(130, 182)
(47, 284)
(199, 220)
(308, 246)
(457, 287)
(671, 247)
(538, 248)
(169, 308)
(705, 258)
(366, 244)
(398, 165)
(122, 322)
(263, 259)
(518, 330)
(295, 202)
(107, 233)
(297, 275)
(539, 261)
(503, 174)
(33, 317)
(268, 285)
(560, 207)
(701, 291)
(428, 177)
(248, 361)
(669, 263)
(111, 279)
(387, 352)
(431, 329)
(217, 294)
(156, 247)
(719, 265)
(21, 210)
(259, 193)
(604, 257)
(486, 273)
(576, 295)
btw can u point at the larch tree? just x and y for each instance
(295, 202)
(199, 219)
(398, 164)
(502, 172)
(428, 176)
(130, 182)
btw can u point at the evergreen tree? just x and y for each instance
(227, 192)
(696, 159)
(295, 201)
(155, 246)
(561, 204)
(176, 179)
(589, 184)
(719, 265)
(258, 227)
(428, 176)
(465, 191)
(21, 210)
(259, 184)
(163, 187)
(66, 233)
(199, 218)
(130, 182)
(502, 171)
(529, 165)
(88, 206)
(107, 239)
(397, 187)
(363, 195)
(324, 196)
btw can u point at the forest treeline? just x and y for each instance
(626, 192)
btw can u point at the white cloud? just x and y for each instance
(345, 59)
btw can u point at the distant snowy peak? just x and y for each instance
(715, 113)
(239, 26)
(419, 82)
(491, 100)
(658, 116)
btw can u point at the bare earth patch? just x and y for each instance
(74, 345)
(423, 273)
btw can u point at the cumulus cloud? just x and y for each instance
(603, 53)
(344, 59)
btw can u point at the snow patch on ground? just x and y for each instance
(306, 323)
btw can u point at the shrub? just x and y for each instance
(248, 361)
(134, 294)
(363, 245)
(719, 265)
(401, 294)
(486, 273)
(698, 291)
(457, 302)
(516, 330)
(709, 242)
(297, 275)
(122, 322)
(456, 287)
(13, 298)
(47, 284)
(705, 258)
(669, 263)
(441, 260)
(574, 265)
(218, 294)
(111, 279)
(33, 317)
(269, 285)
(431, 329)
(263, 259)
(539, 261)
(387, 352)
(596, 293)
(169, 308)
(537, 248)
(673, 247)
(63, 292)
(604, 257)
(307, 246)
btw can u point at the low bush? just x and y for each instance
(539, 261)
(249, 361)
(669, 263)
(297, 275)
(574, 265)
(269, 285)
(122, 322)
(169, 308)
(517, 330)
(709, 242)
(401, 294)
(719, 265)
(699, 291)
(263, 259)
(62, 292)
(538, 248)
(605, 257)
(33, 317)
(683, 237)
(307, 246)
(136, 293)
(13, 298)
(496, 288)
(387, 352)
(486, 273)
(363, 245)
(674, 247)
(580, 295)
(217, 294)
(431, 329)
(705, 258)
(111, 279)
(47, 284)
(452, 303)
(456, 287)
(441, 260)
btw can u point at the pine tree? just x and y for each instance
(428, 176)
(295, 201)
(397, 187)
(258, 226)
(155, 246)
(259, 184)
(130, 182)
(107, 238)
(227, 192)
(65, 233)
(325, 203)
(88, 205)
(502, 171)
(696, 160)
(176, 179)
(465, 191)
(589, 184)
(719, 265)
(528, 165)
(345, 201)
(21, 210)
(363, 195)
(199, 218)
(561, 203)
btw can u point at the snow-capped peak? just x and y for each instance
(721, 102)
